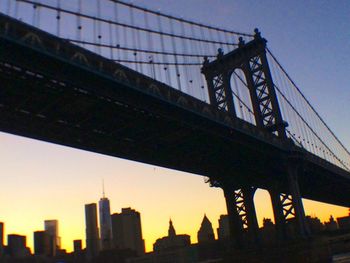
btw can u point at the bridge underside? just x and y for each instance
(53, 100)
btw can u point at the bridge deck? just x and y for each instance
(55, 91)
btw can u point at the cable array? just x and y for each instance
(306, 126)
(164, 47)
(171, 50)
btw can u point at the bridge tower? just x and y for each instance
(251, 59)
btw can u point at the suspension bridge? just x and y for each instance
(122, 80)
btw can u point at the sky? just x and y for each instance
(45, 181)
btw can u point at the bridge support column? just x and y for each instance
(242, 215)
(288, 206)
(235, 223)
(293, 168)
(278, 212)
(253, 226)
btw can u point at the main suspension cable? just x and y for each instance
(125, 25)
(306, 100)
(182, 20)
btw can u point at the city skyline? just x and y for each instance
(51, 181)
(50, 227)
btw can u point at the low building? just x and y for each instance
(77, 244)
(331, 225)
(172, 241)
(314, 224)
(268, 231)
(17, 246)
(344, 222)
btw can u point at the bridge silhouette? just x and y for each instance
(118, 79)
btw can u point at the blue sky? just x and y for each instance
(310, 38)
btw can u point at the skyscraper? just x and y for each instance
(206, 232)
(92, 236)
(51, 229)
(105, 222)
(42, 244)
(126, 229)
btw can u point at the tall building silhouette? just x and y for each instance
(105, 222)
(42, 244)
(51, 229)
(92, 236)
(224, 228)
(206, 232)
(1, 238)
(126, 231)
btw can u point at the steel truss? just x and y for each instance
(251, 59)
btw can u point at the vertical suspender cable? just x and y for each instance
(79, 22)
(58, 18)
(213, 46)
(185, 51)
(111, 42)
(99, 36)
(173, 42)
(139, 45)
(34, 14)
(164, 57)
(205, 44)
(116, 30)
(133, 37)
(125, 42)
(150, 47)
(201, 48)
(220, 39)
(38, 15)
(227, 39)
(8, 10)
(16, 9)
(96, 48)
(196, 83)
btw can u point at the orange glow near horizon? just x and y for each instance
(44, 181)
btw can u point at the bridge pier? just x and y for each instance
(299, 213)
(235, 223)
(278, 212)
(242, 215)
(253, 226)
(287, 206)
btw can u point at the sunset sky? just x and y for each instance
(42, 181)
